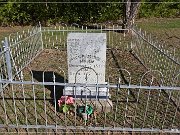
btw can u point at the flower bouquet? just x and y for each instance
(66, 104)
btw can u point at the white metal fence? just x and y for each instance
(145, 92)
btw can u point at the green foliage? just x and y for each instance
(66, 108)
(165, 8)
(110, 12)
(51, 13)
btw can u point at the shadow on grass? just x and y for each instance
(123, 77)
(56, 90)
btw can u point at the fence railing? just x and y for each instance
(155, 56)
(34, 105)
(29, 98)
(56, 37)
(18, 50)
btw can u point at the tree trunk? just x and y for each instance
(130, 11)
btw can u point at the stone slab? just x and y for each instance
(86, 61)
(86, 50)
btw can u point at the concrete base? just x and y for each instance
(100, 105)
(87, 92)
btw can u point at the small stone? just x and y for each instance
(85, 116)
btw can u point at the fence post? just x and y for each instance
(40, 28)
(8, 58)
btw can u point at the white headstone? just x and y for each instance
(86, 62)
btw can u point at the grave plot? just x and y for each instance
(132, 75)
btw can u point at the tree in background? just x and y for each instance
(131, 8)
(50, 12)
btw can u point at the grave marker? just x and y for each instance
(86, 63)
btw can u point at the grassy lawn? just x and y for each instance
(164, 29)
(5, 31)
(159, 23)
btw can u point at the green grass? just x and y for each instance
(159, 23)
(6, 31)
(166, 30)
